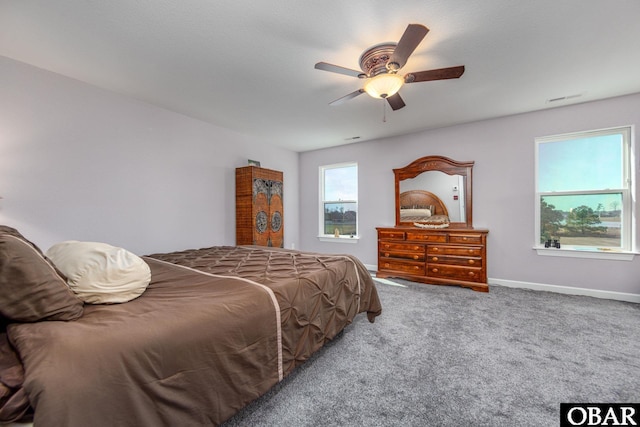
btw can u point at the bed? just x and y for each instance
(214, 329)
(423, 208)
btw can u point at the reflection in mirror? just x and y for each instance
(448, 188)
(434, 192)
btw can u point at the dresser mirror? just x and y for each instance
(434, 192)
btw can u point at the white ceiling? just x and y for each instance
(249, 65)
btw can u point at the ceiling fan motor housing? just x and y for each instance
(373, 61)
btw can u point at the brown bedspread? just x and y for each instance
(198, 345)
(318, 294)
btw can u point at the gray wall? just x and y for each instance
(503, 190)
(77, 162)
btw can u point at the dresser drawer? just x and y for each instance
(465, 238)
(408, 267)
(391, 234)
(472, 251)
(427, 237)
(409, 247)
(468, 274)
(416, 256)
(456, 260)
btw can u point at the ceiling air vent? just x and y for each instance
(564, 98)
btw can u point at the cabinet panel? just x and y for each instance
(276, 226)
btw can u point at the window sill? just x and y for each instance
(341, 239)
(592, 253)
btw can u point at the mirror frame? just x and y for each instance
(442, 164)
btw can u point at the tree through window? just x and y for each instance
(583, 190)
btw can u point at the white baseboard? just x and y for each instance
(596, 293)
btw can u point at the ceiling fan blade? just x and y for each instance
(338, 69)
(439, 74)
(395, 101)
(411, 38)
(347, 97)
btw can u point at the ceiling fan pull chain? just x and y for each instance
(384, 111)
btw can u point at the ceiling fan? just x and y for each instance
(381, 63)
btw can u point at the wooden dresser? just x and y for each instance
(259, 219)
(435, 256)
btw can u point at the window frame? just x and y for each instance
(322, 236)
(628, 244)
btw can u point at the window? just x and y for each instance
(339, 201)
(583, 191)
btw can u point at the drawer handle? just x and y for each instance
(464, 238)
(470, 251)
(386, 246)
(415, 267)
(435, 258)
(386, 264)
(435, 270)
(435, 249)
(386, 254)
(471, 261)
(472, 274)
(415, 248)
(416, 256)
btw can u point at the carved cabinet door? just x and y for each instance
(259, 207)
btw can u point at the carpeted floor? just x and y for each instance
(448, 356)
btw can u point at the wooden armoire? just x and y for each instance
(259, 219)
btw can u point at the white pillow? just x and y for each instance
(415, 212)
(100, 273)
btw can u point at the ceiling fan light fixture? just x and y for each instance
(384, 85)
